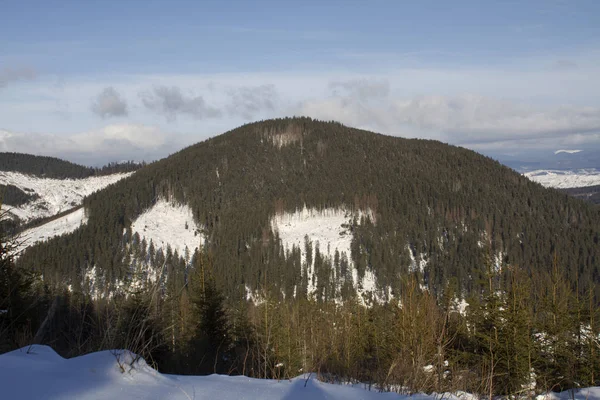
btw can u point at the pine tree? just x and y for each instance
(212, 341)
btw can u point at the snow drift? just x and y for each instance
(38, 372)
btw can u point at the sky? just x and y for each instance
(94, 82)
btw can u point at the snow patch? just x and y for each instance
(166, 224)
(562, 179)
(60, 226)
(55, 195)
(331, 228)
(416, 265)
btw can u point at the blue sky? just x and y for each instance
(501, 77)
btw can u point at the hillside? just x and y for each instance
(43, 166)
(294, 245)
(55, 168)
(587, 193)
(444, 207)
(30, 197)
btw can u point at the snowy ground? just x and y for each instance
(169, 224)
(562, 179)
(323, 226)
(38, 372)
(60, 226)
(55, 195)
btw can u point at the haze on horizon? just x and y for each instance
(98, 82)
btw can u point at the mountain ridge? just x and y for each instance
(451, 204)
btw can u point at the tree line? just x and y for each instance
(519, 335)
(52, 167)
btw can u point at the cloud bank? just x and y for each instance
(98, 147)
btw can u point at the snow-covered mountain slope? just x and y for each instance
(55, 195)
(562, 179)
(37, 372)
(165, 224)
(60, 226)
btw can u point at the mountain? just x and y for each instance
(43, 195)
(564, 179)
(55, 168)
(259, 197)
(295, 245)
(30, 197)
(587, 193)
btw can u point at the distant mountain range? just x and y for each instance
(562, 159)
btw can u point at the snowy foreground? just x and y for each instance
(38, 372)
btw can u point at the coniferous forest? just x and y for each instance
(506, 304)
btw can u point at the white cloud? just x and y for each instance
(98, 147)
(465, 120)
(109, 103)
(525, 104)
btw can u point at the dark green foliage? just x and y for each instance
(211, 346)
(589, 193)
(20, 302)
(13, 196)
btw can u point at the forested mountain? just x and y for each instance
(452, 205)
(51, 167)
(429, 228)
(33, 188)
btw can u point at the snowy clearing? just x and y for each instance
(55, 195)
(323, 226)
(38, 372)
(165, 224)
(329, 228)
(563, 179)
(60, 226)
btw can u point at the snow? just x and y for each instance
(165, 224)
(567, 151)
(414, 264)
(55, 195)
(562, 179)
(60, 226)
(38, 372)
(330, 228)
(324, 226)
